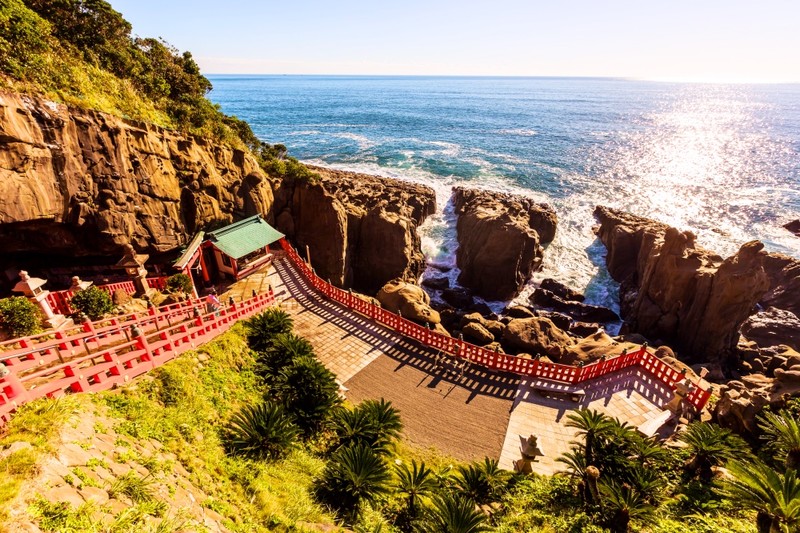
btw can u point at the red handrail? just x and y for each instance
(492, 359)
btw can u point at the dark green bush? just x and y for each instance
(92, 302)
(263, 327)
(309, 392)
(24, 36)
(262, 431)
(284, 350)
(374, 423)
(19, 316)
(180, 283)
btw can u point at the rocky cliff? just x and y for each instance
(499, 240)
(675, 291)
(76, 183)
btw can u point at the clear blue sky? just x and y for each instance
(707, 40)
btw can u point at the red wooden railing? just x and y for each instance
(98, 355)
(489, 358)
(59, 300)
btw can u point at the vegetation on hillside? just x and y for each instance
(82, 52)
(257, 422)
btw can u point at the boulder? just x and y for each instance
(120, 297)
(436, 282)
(595, 347)
(559, 319)
(477, 334)
(577, 310)
(561, 290)
(583, 329)
(536, 335)
(409, 300)
(519, 311)
(458, 297)
(773, 327)
(499, 240)
(793, 226)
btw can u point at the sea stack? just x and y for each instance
(499, 240)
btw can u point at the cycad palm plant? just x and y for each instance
(624, 503)
(284, 350)
(353, 475)
(263, 327)
(455, 514)
(261, 431)
(309, 392)
(385, 419)
(782, 431)
(593, 426)
(373, 422)
(775, 497)
(710, 445)
(414, 483)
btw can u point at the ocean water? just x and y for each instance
(720, 160)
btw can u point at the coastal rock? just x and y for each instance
(674, 290)
(477, 334)
(577, 310)
(537, 336)
(76, 182)
(436, 282)
(458, 297)
(561, 290)
(594, 347)
(793, 226)
(409, 300)
(519, 311)
(361, 230)
(773, 327)
(499, 240)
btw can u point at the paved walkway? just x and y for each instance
(468, 415)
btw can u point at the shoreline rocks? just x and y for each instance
(499, 240)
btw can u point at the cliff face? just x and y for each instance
(673, 290)
(80, 182)
(361, 230)
(499, 240)
(77, 182)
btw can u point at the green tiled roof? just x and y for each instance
(244, 237)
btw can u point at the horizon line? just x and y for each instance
(520, 76)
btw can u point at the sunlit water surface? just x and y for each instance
(720, 160)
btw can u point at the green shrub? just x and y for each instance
(180, 283)
(262, 431)
(92, 302)
(24, 37)
(309, 392)
(373, 422)
(263, 327)
(285, 349)
(19, 316)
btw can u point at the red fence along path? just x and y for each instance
(59, 300)
(95, 356)
(491, 359)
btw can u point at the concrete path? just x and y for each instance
(468, 415)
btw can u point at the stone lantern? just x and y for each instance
(78, 284)
(32, 289)
(133, 264)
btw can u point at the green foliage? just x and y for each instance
(180, 283)
(283, 350)
(413, 483)
(373, 422)
(19, 316)
(309, 392)
(710, 445)
(24, 37)
(139, 489)
(275, 160)
(262, 431)
(774, 496)
(623, 503)
(455, 514)
(481, 482)
(353, 474)
(782, 431)
(263, 327)
(92, 302)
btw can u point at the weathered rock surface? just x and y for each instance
(561, 290)
(81, 182)
(579, 311)
(793, 226)
(76, 185)
(676, 291)
(409, 300)
(536, 336)
(499, 240)
(361, 230)
(773, 327)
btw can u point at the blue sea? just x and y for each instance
(720, 160)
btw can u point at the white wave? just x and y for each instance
(521, 132)
(364, 143)
(304, 132)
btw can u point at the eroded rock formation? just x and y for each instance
(361, 230)
(671, 289)
(499, 240)
(79, 183)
